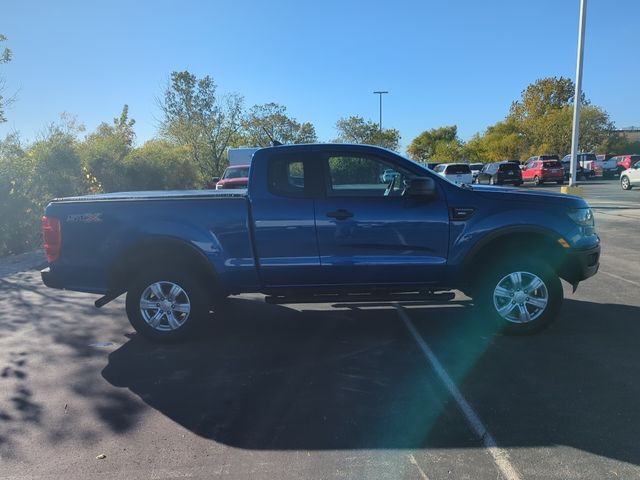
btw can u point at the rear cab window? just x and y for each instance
(286, 177)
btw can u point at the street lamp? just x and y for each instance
(380, 93)
(578, 93)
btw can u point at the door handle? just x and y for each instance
(341, 214)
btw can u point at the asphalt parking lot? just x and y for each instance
(328, 391)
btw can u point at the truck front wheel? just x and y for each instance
(519, 297)
(166, 305)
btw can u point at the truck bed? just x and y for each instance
(155, 195)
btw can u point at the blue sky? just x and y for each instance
(447, 62)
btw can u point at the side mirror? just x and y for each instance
(424, 187)
(215, 180)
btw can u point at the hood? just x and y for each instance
(506, 194)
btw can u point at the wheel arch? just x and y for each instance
(525, 240)
(149, 252)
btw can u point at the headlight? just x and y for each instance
(582, 216)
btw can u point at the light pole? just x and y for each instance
(578, 92)
(380, 93)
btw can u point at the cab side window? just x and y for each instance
(363, 176)
(286, 177)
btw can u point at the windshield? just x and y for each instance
(235, 172)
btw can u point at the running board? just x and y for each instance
(361, 298)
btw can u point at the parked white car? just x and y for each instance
(455, 172)
(630, 177)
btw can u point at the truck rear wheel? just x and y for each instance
(519, 297)
(166, 305)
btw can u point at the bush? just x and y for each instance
(158, 165)
(29, 179)
(20, 208)
(58, 165)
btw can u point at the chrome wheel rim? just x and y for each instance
(520, 297)
(625, 182)
(164, 306)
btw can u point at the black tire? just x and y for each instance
(537, 181)
(488, 299)
(625, 183)
(183, 324)
(560, 182)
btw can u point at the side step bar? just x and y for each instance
(361, 298)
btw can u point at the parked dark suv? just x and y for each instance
(585, 164)
(500, 173)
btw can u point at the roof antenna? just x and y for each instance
(274, 143)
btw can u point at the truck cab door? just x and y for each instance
(282, 220)
(371, 235)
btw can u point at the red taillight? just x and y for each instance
(52, 238)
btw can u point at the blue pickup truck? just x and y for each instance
(319, 223)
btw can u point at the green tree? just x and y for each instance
(436, 145)
(552, 132)
(544, 96)
(271, 120)
(159, 165)
(20, 207)
(58, 168)
(540, 122)
(104, 150)
(5, 57)
(619, 144)
(196, 117)
(502, 141)
(356, 129)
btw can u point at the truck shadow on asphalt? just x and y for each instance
(272, 378)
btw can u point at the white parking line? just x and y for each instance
(500, 456)
(637, 284)
(414, 462)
